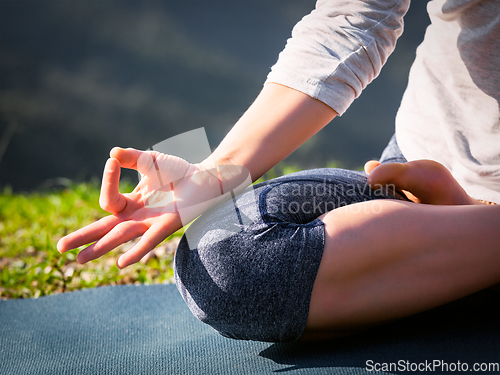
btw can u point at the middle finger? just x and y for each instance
(120, 234)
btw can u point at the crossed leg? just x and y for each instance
(384, 260)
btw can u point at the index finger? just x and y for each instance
(110, 199)
(88, 234)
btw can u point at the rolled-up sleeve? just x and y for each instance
(338, 49)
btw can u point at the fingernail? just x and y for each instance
(114, 150)
(79, 259)
(110, 164)
(59, 247)
(119, 263)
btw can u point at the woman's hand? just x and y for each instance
(278, 122)
(171, 193)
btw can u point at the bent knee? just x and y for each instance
(254, 285)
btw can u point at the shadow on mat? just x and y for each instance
(461, 334)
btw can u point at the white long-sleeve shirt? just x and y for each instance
(450, 110)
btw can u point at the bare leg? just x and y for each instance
(385, 260)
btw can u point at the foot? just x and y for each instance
(422, 181)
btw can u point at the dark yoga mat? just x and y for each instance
(149, 330)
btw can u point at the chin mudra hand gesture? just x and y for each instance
(171, 193)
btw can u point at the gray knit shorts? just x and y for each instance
(250, 275)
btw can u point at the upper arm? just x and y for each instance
(339, 48)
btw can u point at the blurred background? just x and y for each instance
(79, 77)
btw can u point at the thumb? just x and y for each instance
(144, 162)
(160, 169)
(126, 156)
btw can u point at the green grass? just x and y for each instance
(31, 224)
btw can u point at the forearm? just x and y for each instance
(277, 123)
(333, 54)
